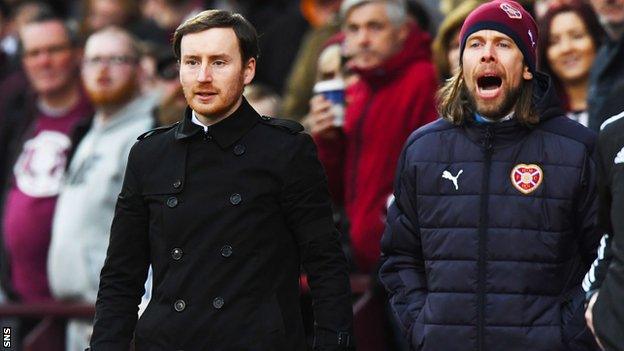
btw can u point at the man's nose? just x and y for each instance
(488, 54)
(204, 74)
(362, 37)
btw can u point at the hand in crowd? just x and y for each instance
(589, 317)
(321, 119)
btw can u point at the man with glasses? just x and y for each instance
(34, 141)
(86, 204)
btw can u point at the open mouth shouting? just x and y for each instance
(489, 85)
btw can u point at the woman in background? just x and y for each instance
(570, 37)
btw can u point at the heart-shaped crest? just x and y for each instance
(526, 178)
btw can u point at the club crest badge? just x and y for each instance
(511, 11)
(526, 178)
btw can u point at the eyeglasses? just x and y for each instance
(115, 60)
(50, 50)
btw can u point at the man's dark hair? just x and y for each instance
(245, 31)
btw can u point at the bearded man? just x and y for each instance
(86, 204)
(492, 229)
(226, 206)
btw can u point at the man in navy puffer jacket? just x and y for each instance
(492, 226)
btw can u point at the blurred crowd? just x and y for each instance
(80, 80)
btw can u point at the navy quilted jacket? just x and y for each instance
(490, 233)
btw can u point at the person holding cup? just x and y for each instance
(329, 89)
(393, 95)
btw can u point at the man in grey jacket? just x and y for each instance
(86, 204)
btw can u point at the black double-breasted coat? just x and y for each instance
(226, 217)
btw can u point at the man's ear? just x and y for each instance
(249, 70)
(527, 75)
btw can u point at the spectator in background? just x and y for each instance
(290, 47)
(262, 99)
(570, 36)
(330, 63)
(86, 204)
(167, 14)
(98, 14)
(393, 97)
(299, 86)
(300, 81)
(540, 7)
(607, 75)
(446, 44)
(331, 66)
(13, 84)
(34, 137)
(171, 102)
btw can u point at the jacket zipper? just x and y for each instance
(358, 141)
(483, 223)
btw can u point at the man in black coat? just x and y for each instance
(225, 206)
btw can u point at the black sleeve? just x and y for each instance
(125, 269)
(306, 203)
(403, 269)
(598, 270)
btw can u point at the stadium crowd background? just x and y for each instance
(301, 43)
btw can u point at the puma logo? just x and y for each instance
(452, 178)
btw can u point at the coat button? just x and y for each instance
(179, 305)
(266, 118)
(217, 302)
(235, 199)
(239, 149)
(176, 253)
(172, 202)
(177, 183)
(226, 251)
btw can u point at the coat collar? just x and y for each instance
(224, 132)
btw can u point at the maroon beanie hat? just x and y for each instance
(509, 18)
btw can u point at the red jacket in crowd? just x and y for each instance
(384, 107)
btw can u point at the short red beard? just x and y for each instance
(113, 97)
